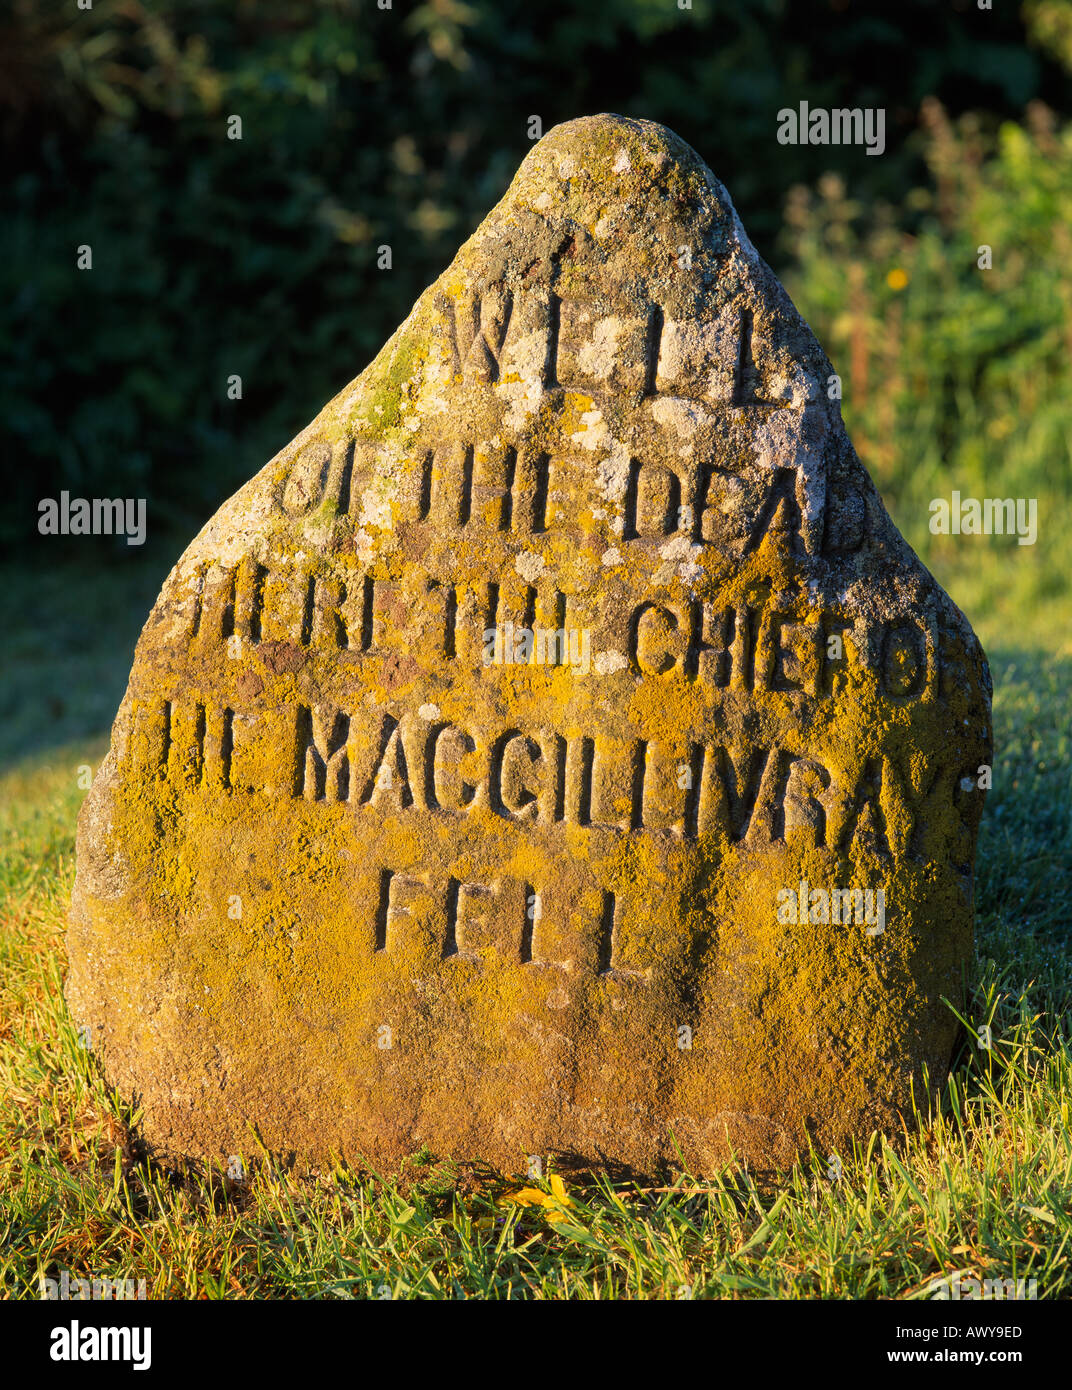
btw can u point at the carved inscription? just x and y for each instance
(538, 779)
(448, 919)
(589, 350)
(521, 492)
(746, 648)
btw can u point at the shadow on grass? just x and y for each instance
(71, 613)
(1024, 858)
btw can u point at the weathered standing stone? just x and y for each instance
(356, 874)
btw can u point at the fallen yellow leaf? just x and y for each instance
(526, 1197)
(553, 1203)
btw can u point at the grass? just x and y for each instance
(979, 1185)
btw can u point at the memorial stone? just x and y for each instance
(555, 749)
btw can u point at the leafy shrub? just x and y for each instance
(953, 376)
(215, 257)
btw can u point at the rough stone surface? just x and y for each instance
(346, 884)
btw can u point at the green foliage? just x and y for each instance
(1050, 25)
(957, 377)
(361, 126)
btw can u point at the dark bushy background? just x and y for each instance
(363, 126)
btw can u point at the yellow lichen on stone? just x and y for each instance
(555, 748)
